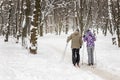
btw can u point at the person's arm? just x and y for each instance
(84, 38)
(81, 42)
(94, 38)
(69, 38)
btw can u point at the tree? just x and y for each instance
(116, 18)
(8, 24)
(34, 27)
(2, 21)
(26, 22)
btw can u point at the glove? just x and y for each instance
(83, 36)
(80, 46)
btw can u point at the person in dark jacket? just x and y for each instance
(76, 43)
(89, 37)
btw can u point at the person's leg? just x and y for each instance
(92, 55)
(89, 55)
(73, 57)
(78, 57)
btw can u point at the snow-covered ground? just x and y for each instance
(108, 55)
(16, 63)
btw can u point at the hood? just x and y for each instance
(89, 33)
(76, 32)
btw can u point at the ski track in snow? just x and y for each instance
(23, 66)
(18, 64)
(94, 69)
(101, 73)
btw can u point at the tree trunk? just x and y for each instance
(8, 24)
(34, 30)
(118, 23)
(41, 30)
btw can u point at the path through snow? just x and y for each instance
(95, 70)
(16, 63)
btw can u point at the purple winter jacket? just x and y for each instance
(89, 38)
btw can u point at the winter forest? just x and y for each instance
(27, 22)
(32, 18)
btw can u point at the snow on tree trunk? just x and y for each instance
(26, 20)
(33, 40)
(110, 17)
(34, 28)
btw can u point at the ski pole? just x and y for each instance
(83, 54)
(95, 56)
(64, 52)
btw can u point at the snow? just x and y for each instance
(108, 55)
(23, 24)
(16, 63)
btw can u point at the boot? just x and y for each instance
(78, 65)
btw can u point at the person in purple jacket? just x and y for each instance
(89, 37)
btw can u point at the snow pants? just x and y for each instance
(75, 56)
(90, 51)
